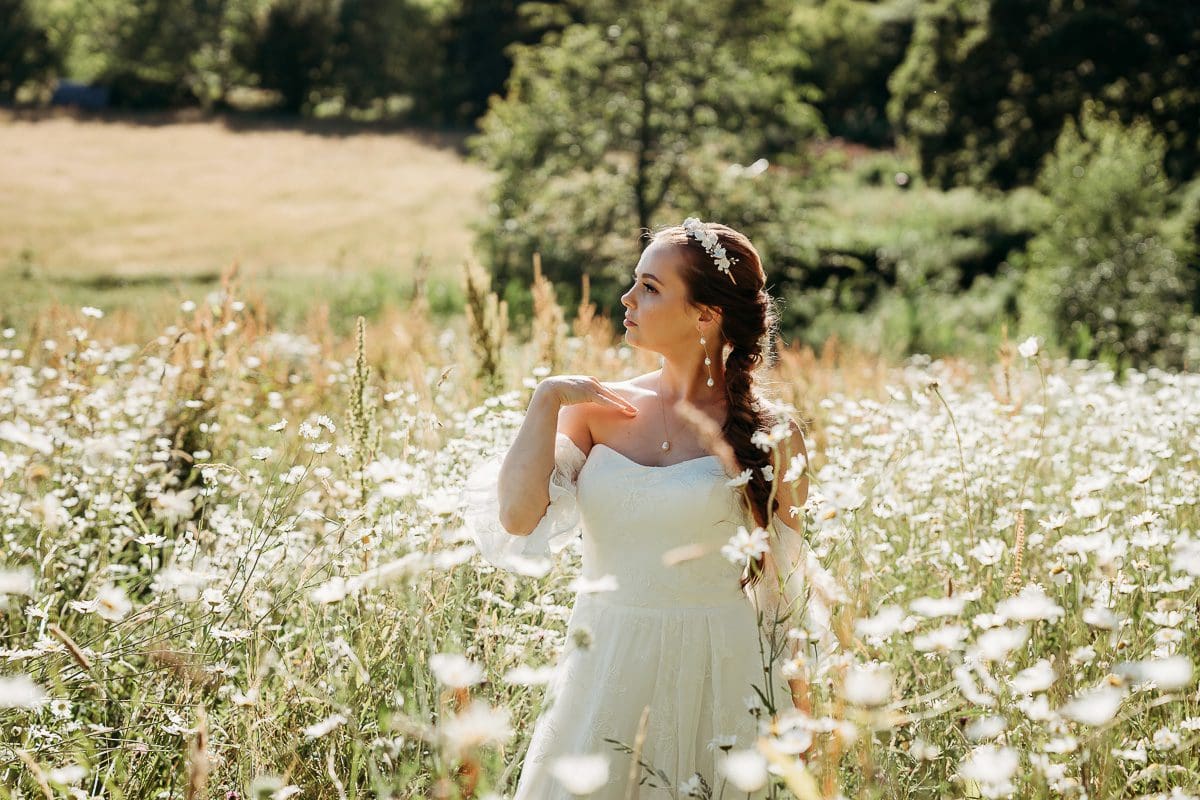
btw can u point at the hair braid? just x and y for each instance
(748, 325)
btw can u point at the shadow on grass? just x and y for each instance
(255, 120)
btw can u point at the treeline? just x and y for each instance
(433, 60)
(1054, 146)
(1045, 179)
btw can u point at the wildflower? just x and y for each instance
(1061, 744)
(319, 729)
(745, 769)
(19, 691)
(1166, 739)
(942, 640)
(454, 670)
(309, 431)
(175, 506)
(1031, 604)
(693, 786)
(326, 423)
(1100, 618)
(745, 546)
(934, 607)
(742, 478)
(992, 767)
(1029, 347)
(331, 591)
(260, 453)
(1083, 655)
(922, 750)
(523, 675)
(1037, 678)
(1186, 557)
(988, 551)
(18, 581)
(1054, 521)
(476, 726)
(278, 426)
(868, 684)
(796, 468)
(1095, 707)
(876, 629)
(582, 585)
(92, 311)
(722, 742)
(1137, 753)
(581, 774)
(110, 603)
(1173, 672)
(986, 727)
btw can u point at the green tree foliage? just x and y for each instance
(987, 85)
(853, 46)
(157, 48)
(156, 53)
(290, 49)
(474, 60)
(1105, 275)
(26, 53)
(630, 117)
(383, 48)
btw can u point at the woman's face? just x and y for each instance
(657, 302)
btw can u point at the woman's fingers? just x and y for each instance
(614, 399)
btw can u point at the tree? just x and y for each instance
(1106, 275)
(987, 85)
(631, 116)
(853, 47)
(26, 53)
(290, 49)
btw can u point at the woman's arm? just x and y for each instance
(525, 473)
(560, 404)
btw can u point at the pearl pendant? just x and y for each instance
(710, 381)
(707, 361)
(666, 445)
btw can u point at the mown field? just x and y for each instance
(234, 566)
(136, 213)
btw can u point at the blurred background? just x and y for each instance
(926, 176)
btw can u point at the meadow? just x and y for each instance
(234, 566)
(124, 210)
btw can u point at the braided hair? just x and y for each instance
(749, 325)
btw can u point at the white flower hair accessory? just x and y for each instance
(708, 239)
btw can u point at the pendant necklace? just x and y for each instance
(666, 445)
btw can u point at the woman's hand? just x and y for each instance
(571, 389)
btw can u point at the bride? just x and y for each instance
(672, 478)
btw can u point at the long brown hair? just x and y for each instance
(749, 326)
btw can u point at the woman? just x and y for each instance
(663, 624)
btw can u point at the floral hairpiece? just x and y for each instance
(708, 239)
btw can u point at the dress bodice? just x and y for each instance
(633, 514)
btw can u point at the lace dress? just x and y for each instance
(680, 639)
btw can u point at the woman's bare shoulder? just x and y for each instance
(633, 388)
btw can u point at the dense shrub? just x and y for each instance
(1106, 274)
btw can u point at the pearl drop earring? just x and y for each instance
(707, 360)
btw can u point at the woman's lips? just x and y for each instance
(630, 323)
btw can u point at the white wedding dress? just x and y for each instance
(680, 639)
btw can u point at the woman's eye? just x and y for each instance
(650, 288)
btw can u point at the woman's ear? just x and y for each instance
(708, 313)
